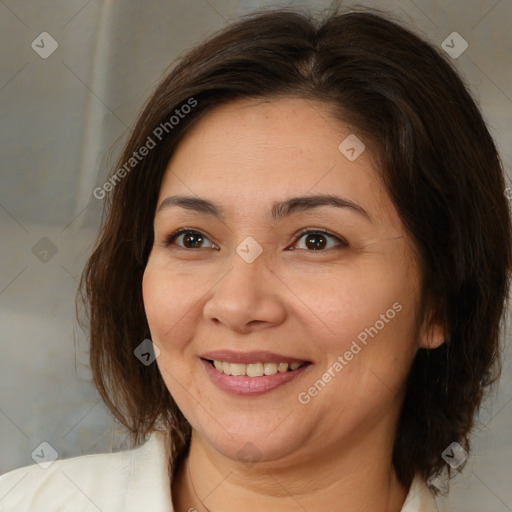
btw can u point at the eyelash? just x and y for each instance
(170, 238)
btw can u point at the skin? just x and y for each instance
(306, 303)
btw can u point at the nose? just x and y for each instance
(249, 296)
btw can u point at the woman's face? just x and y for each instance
(246, 285)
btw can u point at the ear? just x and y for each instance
(434, 331)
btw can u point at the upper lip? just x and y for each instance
(229, 356)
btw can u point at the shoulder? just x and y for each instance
(104, 481)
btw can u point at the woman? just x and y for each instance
(298, 287)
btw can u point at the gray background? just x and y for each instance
(64, 120)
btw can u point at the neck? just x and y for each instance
(357, 477)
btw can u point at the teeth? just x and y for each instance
(283, 367)
(270, 368)
(236, 368)
(254, 369)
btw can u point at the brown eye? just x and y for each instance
(191, 239)
(316, 240)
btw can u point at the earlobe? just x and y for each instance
(433, 333)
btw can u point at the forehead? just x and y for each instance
(247, 151)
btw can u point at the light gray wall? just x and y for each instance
(64, 120)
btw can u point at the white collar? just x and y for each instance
(128, 481)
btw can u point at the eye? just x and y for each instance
(191, 238)
(315, 239)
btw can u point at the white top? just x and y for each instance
(126, 481)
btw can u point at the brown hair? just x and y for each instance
(439, 165)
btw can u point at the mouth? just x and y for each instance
(255, 369)
(251, 374)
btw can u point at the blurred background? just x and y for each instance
(73, 77)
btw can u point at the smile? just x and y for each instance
(252, 378)
(256, 369)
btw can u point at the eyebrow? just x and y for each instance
(279, 209)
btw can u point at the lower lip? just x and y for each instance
(251, 386)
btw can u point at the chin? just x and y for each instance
(251, 445)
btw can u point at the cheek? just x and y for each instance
(153, 305)
(165, 305)
(353, 305)
(364, 331)
(170, 327)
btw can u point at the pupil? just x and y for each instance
(317, 245)
(192, 238)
